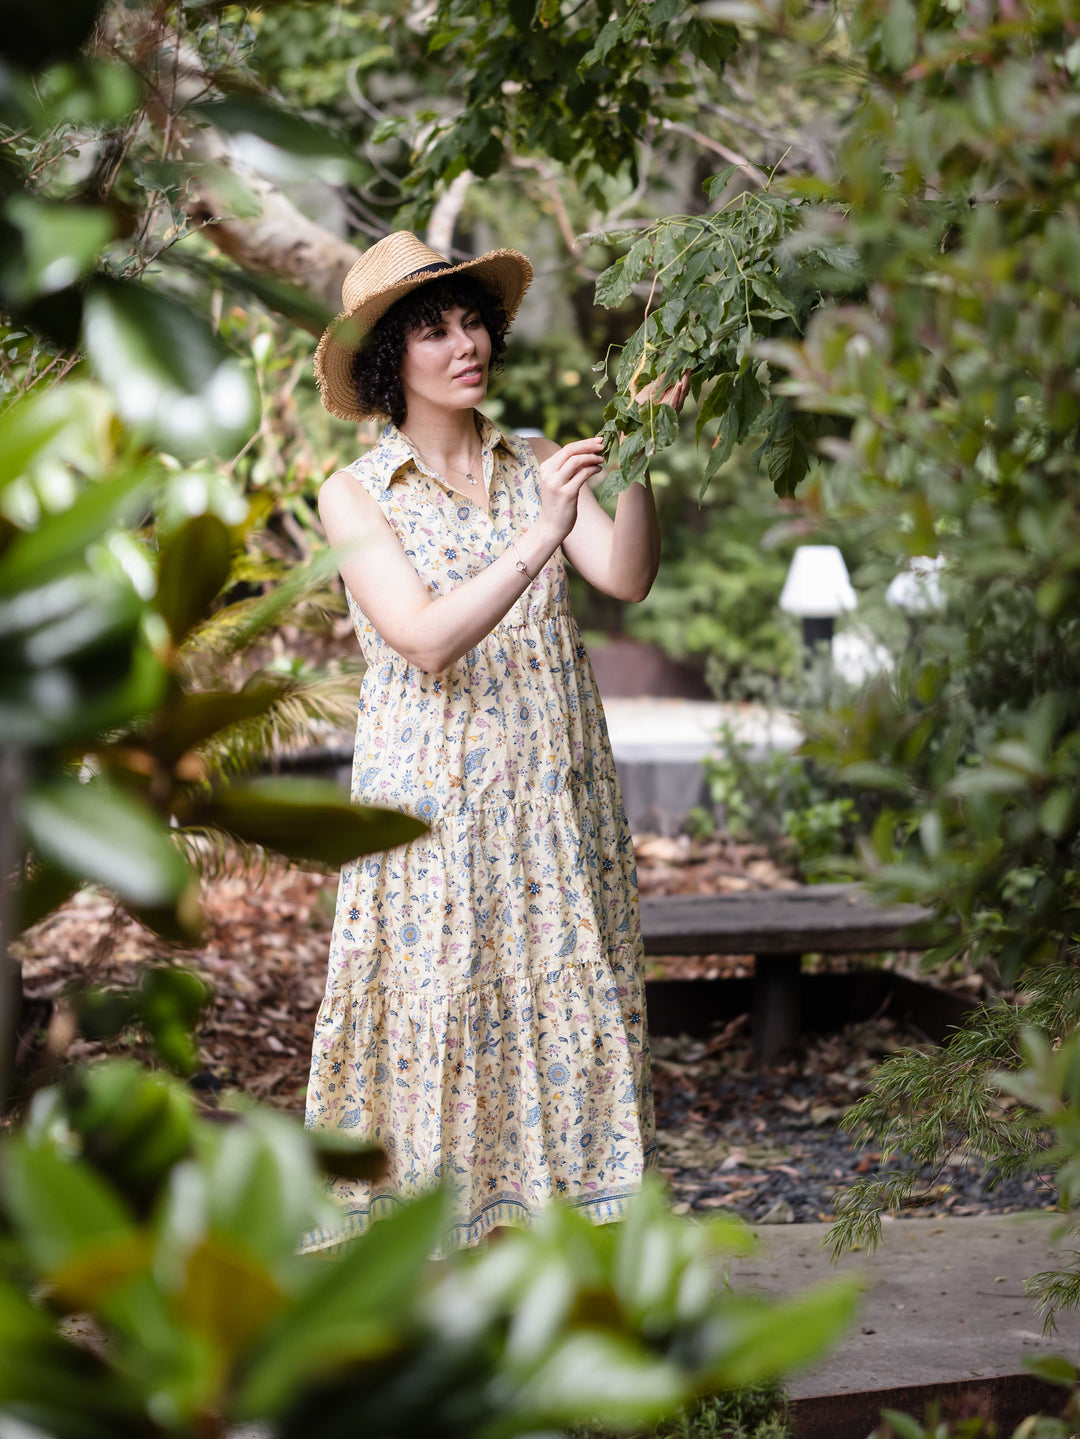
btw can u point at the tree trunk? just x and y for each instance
(278, 239)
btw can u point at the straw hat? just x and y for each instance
(390, 269)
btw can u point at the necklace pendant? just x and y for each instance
(470, 479)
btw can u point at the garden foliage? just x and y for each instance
(169, 1239)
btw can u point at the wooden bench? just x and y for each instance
(778, 927)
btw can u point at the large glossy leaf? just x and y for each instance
(170, 376)
(262, 1184)
(356, 1309)
(193, 566)
(43, 552)
(593, 1372)
(195, 717)
(305, 820)
(60, 1391)
(59, 244)
(104, 836)
(297, 304)
(228, 1298)
(72, 660)
(39, 895)
(25, 429)
(303, 148)
(756, 1340)
(58, 1206)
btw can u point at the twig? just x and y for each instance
(730, 155)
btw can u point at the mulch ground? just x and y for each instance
(762, 1142)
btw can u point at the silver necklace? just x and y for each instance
(435, 465)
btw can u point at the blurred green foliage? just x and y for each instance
(171, 1239)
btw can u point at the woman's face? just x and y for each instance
(446, 364)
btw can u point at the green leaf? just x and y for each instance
(1054, 1368)
(194, 718)
(40, 554)
(713, 403)
(72, 659)
(305, 820)
(591, 1372)
(613, 285)
(104, 836)
(60, 243)
(297, 304)
(45, 889)
(387, 128)
(243, 116)
(192, 569)
(58, 1205)
(906, 1427)
(343, 1160)
(774, 1338)
(898, 34)
(167, 372)
(261, 1185)
(26, 429)
(356, 1309)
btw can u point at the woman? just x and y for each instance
(484, 1015)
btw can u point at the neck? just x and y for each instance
(448, 436)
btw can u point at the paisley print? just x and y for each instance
(484, 1016)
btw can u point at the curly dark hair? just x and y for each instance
(376, 366)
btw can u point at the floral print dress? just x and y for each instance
(484, 1016)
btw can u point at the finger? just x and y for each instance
(576, 462)
(580, 447)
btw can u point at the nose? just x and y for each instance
(464, 344)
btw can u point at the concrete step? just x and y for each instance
(943, 1316)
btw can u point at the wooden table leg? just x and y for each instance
(777, 1005)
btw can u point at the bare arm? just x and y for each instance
(433, 633)
(619, 557)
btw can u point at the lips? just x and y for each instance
(472, 376)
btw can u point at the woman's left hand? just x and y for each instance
(673, 395)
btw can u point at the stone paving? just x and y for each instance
(944, 1299)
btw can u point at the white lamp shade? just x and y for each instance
(916, 589)
(817, 584)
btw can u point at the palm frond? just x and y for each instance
(213, 854)
(232, 628)
(306, 710)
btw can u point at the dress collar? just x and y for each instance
(394, 450)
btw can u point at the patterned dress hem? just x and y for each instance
(597, 1208)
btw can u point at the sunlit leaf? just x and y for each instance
(39, 554)
(60, 243)
(356, 1309)
(106, 837)
(169, 375)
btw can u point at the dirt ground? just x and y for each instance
(731, 1135)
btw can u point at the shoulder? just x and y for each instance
(344, 494)
(542, 447)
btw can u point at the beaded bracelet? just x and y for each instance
(519, 563)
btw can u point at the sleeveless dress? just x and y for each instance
(484, 1016)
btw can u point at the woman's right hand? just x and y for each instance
(561, 478)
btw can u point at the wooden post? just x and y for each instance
(777, 1005)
